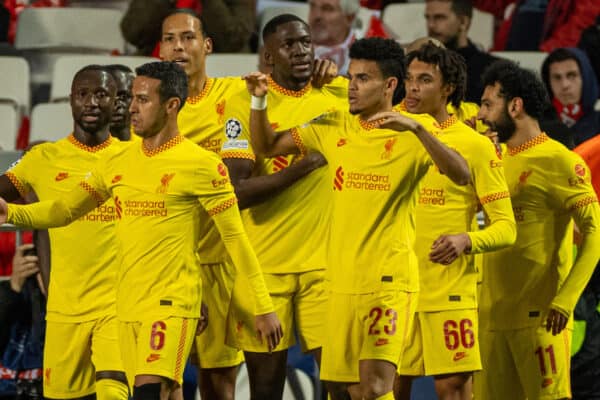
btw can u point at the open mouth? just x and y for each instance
(411, 102)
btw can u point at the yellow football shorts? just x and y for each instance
(299, 300)
(444, 342)
(74, 352)
(527, 362)
(371, 326)
(157, 347)
(217, 286)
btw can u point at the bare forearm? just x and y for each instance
(255, 190)
(447, 160)
(263, 135)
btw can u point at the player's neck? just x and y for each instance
(440, 115)
(526, 130)
(123, 134)
(287, 82)
(91, 139)
(196, 84)
(168, 132)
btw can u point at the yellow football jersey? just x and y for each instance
(83, 256)
(300, 213)
(157, 196)
(373, 181)
(467, 111)
(447, 208)
(202, 120)
(548, 185)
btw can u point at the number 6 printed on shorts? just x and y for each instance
(456, 334)
(157, 335)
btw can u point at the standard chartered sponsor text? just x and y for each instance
(145, 208)
(368, 181)
(432, 196)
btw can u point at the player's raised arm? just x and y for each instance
(264, 139)
(447, 160)
(51, 214)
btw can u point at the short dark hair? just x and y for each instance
(451, 65)
(91, 67)
(191, 13)
(388, 55)
(518, 82)
(557, 55)
(274, 23)
(118, 67)
(173, 80)
(462, 8)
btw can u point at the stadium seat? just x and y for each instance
(14, 81)
(231, 64)
(67, 65)
(527, 59)
(298, 9)
(7, 158)
(51, 121)
(45, 33)
(9, 125)
(407, 21)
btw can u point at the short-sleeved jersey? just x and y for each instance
(546, 182)
(466, 111)
(373, 178)
(202, 120)
(447, 208)
(276, 226)
(158, 198)
(83, 256)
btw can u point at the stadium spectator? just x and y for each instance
(22, 305)
(449, 22)
(573, 90)
(230, 23)
(331, 24)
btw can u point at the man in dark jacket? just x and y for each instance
(573, 89)
(449, 22)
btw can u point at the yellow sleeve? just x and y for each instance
(229, 224)
(215, 192)
(59, 212)
(310, 135)
(573, 190)
(490, 184)
(20, 173)
(236, 131)
(587, 218)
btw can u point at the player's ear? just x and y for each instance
(173, 105)
(208, 45)
(391, 84)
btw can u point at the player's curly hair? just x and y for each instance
(518, 82)
(173, 80)
(388, 55)
(451, 65)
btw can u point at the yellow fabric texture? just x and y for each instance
(83, 257)
(158, 197)
(373, 174)
(445, 208)
(276, 226)
(550, 187)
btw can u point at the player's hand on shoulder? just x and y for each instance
(556, 321)
(256, 83)
(395, 121)
(448, 248)
(324, 71)
(269, 330)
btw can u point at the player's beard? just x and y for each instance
(452, 42)
(505, 126)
